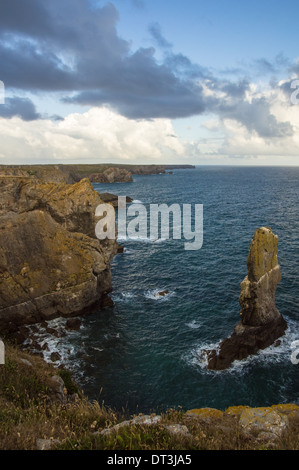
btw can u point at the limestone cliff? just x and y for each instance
(261, 323)
(42, 173)
(112, 175)
(113, 199)
(51, 263)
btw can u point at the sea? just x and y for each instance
(144, 354)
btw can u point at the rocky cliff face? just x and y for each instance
(51, 263)
(113, 199)
(42, 173)
(112, 175)
(261, 323)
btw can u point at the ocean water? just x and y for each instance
(144, 354)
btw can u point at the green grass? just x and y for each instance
(29, 411)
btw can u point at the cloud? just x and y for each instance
(22, 107)
(258, 142)
(235, 89)
(279, 64)
(256, 116)
(99, 135)
(102, 135)
(250, 105)
(156, 33)
(138, 4)
(30, 18)
(80, 53)
(73, 49)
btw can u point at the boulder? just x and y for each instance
(73, 324)
(58, 389)
(141, 420)
(163, 293)
(178, 430)
(113, 199)
(46, 444)
(205, 413)
(261, 323)
(265, 423)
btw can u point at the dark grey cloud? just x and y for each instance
(26, 67)
(235, 89)
(22, 107)
(72, 42)
(145, 90)
(155, 31)
(263, 66)
(29, 17)
(138, 4)
(290, 86)
(183, 67)
(256, 116)
(78, 50)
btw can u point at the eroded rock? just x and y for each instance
(112, 175)
(46, 444)
(51, 263)
(265, 423)
(261, 323)
(141, 420)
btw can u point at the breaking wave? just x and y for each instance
(278, 353)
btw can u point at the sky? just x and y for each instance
(149, 81)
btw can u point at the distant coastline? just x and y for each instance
(96, 173)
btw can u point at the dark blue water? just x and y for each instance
(144, 353)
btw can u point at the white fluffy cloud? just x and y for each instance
(98, 135)
(244, 144)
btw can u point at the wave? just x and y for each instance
(128, 251)
(141, 239)
(124, 296)
(54, 342)
(274, 354)
(194, 324)
(159, 294)
(156, 294)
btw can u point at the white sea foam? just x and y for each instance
(124, 297)
(48, 343)
(194, 324)
(274, 354)
(157, 294)
(141, 239)
(128, 251)
(128, 295)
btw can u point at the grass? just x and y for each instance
(29, 411)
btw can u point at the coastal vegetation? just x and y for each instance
(41, 407)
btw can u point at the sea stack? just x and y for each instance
(261, 323)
